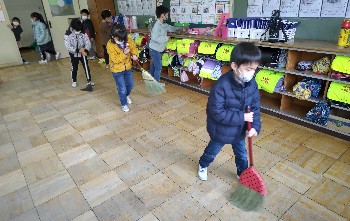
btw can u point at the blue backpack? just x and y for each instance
(320, 113)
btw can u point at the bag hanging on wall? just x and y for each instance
(184, 76)
(207, 47)
(224, 52)
(165, 59)
(320, 113)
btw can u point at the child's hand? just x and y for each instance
(126, 50)
(82, 50)
(252, 132)
(134, 57)
(248, 117)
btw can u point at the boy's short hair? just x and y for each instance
(245, 53)
(161, 10)
(105, 14)
(16, 19)
(119, 31)
(76, 24)
(85, 11)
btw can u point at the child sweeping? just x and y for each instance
(78, 45)
(226, 115)
(120, 49)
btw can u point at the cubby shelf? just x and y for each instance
(305, 74)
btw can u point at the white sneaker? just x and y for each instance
(43, 62)
(107, 66)
(125, 108)
(162, 84)
(74, 84)
(26, 62)
(237, 177)
(57, 55)
(128, 100)
(202, 173)
(92, 83)
(48, 56)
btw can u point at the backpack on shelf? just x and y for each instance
(302, 91)
(320, 113)
(322, 66)
(304, 65)
(184, 76)
(315, 86)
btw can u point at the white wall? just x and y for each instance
(22, 9)
(9, 53)
(83, 4)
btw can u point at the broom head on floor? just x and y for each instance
(151, 84)
(251, 191)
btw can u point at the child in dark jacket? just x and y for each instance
(78, 45)
(88, 28)
(226, 116)
(17, 31)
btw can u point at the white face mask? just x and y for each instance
(15, 23)
(32, 20)
(118, 42)
(77, 32)
(84, 17)
(246, 77)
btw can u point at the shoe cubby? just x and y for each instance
(206, 83)
(339, 120)
(164, 71)
(270, 100)
(225, 68)
(295, 106)
(294, 57)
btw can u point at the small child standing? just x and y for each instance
(78, 45)
(226, 116)
(88, 28)
(120, 49)
(17, 31)
(105, 31)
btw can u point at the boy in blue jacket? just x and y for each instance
(226, 116)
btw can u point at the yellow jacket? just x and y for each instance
(117, 59)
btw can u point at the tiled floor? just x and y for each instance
(72, 155)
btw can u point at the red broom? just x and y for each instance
(251, 191)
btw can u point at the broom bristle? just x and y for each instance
(151, 84)
(246, 199)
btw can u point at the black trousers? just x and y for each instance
(75, 63)
(105, 53)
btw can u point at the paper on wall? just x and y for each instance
(289, 8)
(206, 9)
(196, 19)
(269, 6)
(310, 8)
(255, 8)
(333, 8)
(208, 18)
(174, 2)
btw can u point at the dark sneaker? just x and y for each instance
(88, 88)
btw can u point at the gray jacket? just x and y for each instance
(159, 35)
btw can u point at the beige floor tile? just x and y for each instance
(130, 133)
(168, 133)
(295, 135)
(16, 115)
(95, 132)
(327, 189)
(181, 207)
(50, 187)
(12, 181)
(164, 156)
(137, 116)
(135, 171)
(119, 155)
(202, 134)
(340, 173)
(116, 125)
(31, 215)
(66, 143)
(231, 213)
(345, 158)
(41, 169)
(149, 217)
(328, 145)
(189, 124)
(35, 154)
(20, 123)
(106, 143)
(155, 190)
(29, 142)
(213, 218)
(145, 144)
(41, 109)
(86, 124)
(190, 108)
(77, 155)
(88, 170)
(123, 206)
(311, 160)
(212, 194)
(47, 116)
(59, 132)
(152, 124)
(8, 159)
(15, 203)
(279, 198)
(183, 172)
(88, 216)
(102, 188)
(52, 123)
(176, 102)
(24, 132)
(226, 172)
(276, 145)
(13, 109)
(109, 116)
(77, 116)
(64, 207)
(173, 115)
(7, 103)
(293, 176)
(306, 209)
(5, 138)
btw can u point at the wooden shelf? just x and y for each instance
(272, 101)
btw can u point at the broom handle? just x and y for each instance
(138, 64)
(250, 140)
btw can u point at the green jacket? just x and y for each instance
(41, 33)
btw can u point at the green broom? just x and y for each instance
(251, 191)
(151, 84)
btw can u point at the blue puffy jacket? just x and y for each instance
(226, 107)
(41, 33)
